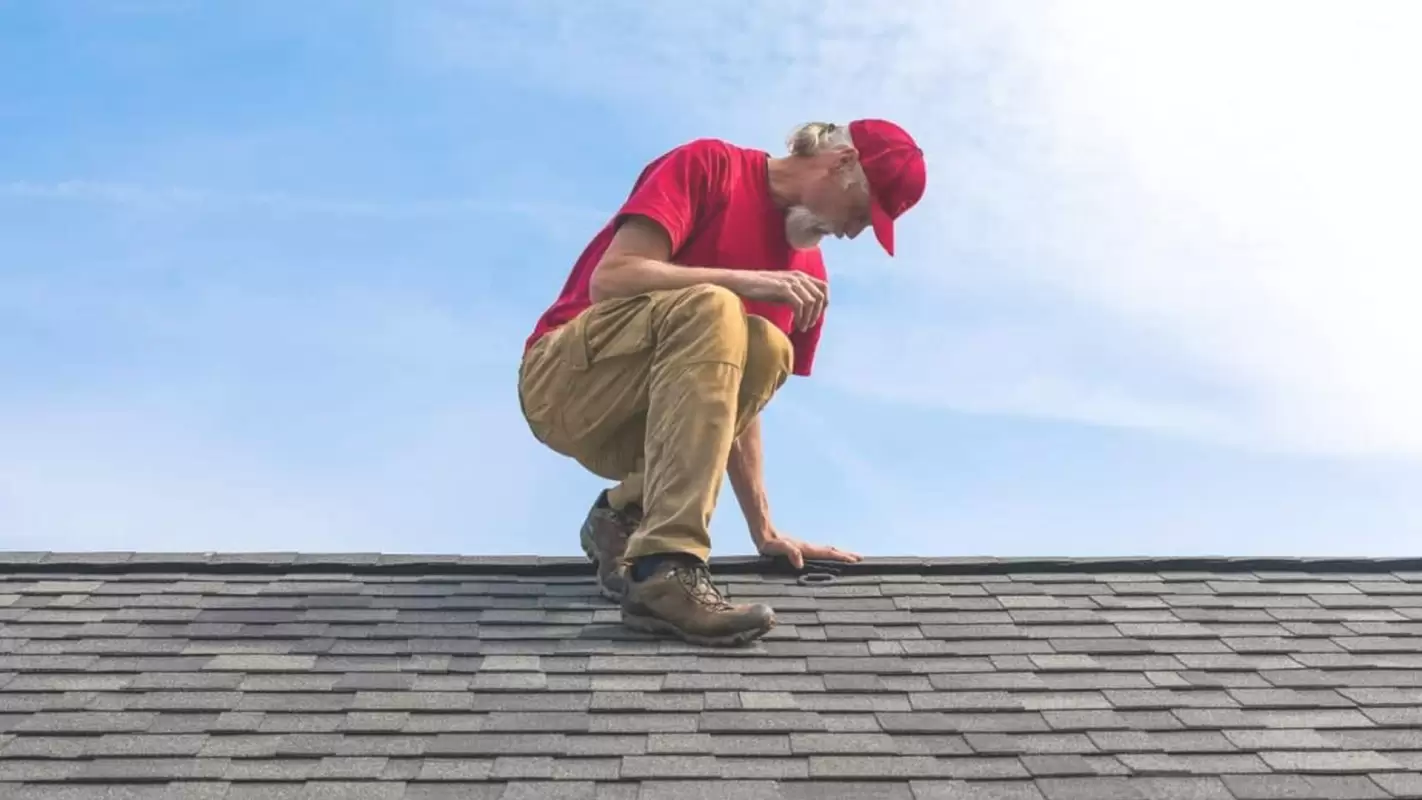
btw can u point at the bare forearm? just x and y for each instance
(745, 467)
(632, 276)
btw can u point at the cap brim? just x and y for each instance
(883, 226)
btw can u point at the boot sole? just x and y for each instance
(610, 594)
(661, 626)
(603, 590)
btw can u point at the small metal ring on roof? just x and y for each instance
(816, 577)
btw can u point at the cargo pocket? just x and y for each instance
(607, 357)
(612, 329)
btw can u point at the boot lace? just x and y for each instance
(698, 583)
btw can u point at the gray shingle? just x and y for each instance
(1028, 743)
(85, 722)
(1329, 761)
(759, 721)
(643, 723)
(1373, 739)
(508, 768)
(1269, 718)
(123, 770)
(301, 723)
(944, 722)
(1193, 763)
(1162, 741)
(454, 791)
(1271, 787)
(1286, 739)
(598, 745)
(975, 790)
(1100, 788)
(581, 769)
(842, 743)
(481, 744)
(875, 767)
(1081, 681)
(1070, 765)
(631, 701)
(1290, 698)
(1397, 784)
(667, 766)
(1145, 681)
(254, 662)
(383, 745)
(35, 770)
(1180, 788)
(550, 790)
(738, 790)
(140, 745)
(65, 682)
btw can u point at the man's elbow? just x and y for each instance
(605, 281)
(629, 265)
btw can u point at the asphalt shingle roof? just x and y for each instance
(370, 677)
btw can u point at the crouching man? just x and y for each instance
(678, 323)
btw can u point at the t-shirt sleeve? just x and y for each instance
(676, 191)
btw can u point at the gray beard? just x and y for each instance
(803, 229)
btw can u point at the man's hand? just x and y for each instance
(796, 551)
(808, 296)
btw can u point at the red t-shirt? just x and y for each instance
(713, 198)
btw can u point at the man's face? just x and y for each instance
(835, 202)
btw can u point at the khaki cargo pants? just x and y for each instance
(651, 391)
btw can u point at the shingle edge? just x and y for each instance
(15, 562)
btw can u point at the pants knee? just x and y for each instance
(711, 314)
(713, 305)
(769, 358)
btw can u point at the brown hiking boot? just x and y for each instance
(679, 598)
(604, 539)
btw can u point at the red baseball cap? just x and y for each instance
(893, 162)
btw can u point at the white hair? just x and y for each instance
(813, 138)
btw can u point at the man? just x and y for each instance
(680, 320)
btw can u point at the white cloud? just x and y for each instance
(1226, 192)
(1258, 210)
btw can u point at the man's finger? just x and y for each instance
(807, 290)
(791, 550)
(821, 290)
(797, 559)
(804, 305)
(817, 290)
(811, 309)
(799, 319)
(836, 554)
(817, 307)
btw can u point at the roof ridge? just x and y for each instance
(99, 562)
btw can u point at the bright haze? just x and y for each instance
(266, 269)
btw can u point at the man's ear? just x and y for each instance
(845, 156)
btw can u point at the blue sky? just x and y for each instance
(266, 268)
